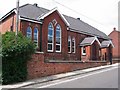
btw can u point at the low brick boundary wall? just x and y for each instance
(38, 67)
(116, 60)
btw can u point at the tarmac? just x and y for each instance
(55, 77)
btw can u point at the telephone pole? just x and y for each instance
(17, 17)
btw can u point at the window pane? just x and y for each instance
(29, 32)
(73, 50)
(57, 47)
(68, 49)
(35, 37)
(84, 50)
(57, 33)
(68, 43)
(50, 39)
(73, 44)
(58, 28)
(50, 32)
(49, 46)
(57, 40)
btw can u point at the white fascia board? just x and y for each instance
(110, 42)
(45, 15)
(63, 17)
(21, 18)
(95, 38)
(56, 9)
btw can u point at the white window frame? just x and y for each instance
(59, 37)
(29, 33)
(73, 47)
(69, 40)
(37, 35)
(83, 50)
(52, 39)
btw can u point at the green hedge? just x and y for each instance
(15, 53)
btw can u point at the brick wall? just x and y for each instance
(9, 23)
(115, 36)
(38, 68)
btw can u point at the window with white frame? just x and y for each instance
(73, 45)
(36, 36)
(29, 32)
(58, 38)
(69, 44)
(83, 50)
(50, 37)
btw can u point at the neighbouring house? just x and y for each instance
(115, 36)
(63, 43)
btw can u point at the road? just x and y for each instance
(105, 78)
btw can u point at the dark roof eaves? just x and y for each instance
(74, 30)
(31, 19)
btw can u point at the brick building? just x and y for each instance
(115, 36)
(59, 38)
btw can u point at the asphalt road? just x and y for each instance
(105, 78)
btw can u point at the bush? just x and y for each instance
(15, 53)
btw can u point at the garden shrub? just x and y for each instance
(15, 54)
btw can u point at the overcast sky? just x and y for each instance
(102, 14)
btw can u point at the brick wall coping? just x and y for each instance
(116, 59)
(71, 61)
(39, 52)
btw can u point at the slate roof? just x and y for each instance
(106, 44)
(31, 11)
(34, 12)
(89, 41)
(82, 27)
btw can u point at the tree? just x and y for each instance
(15, 54)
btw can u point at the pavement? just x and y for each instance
(55, 77)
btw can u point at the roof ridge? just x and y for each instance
(24, 5)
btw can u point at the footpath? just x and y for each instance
(55, 77)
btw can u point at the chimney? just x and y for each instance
(78, 18)
(114, 29)
(35, 4)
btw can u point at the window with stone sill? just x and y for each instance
(73, 45)
(50, 37)
(58, 38)
(36, 36)
(69, 44)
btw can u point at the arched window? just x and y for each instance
(73, 45)
(29, 32)
(58, 38)
(36, 36)
(50, 37)
(69, 44)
